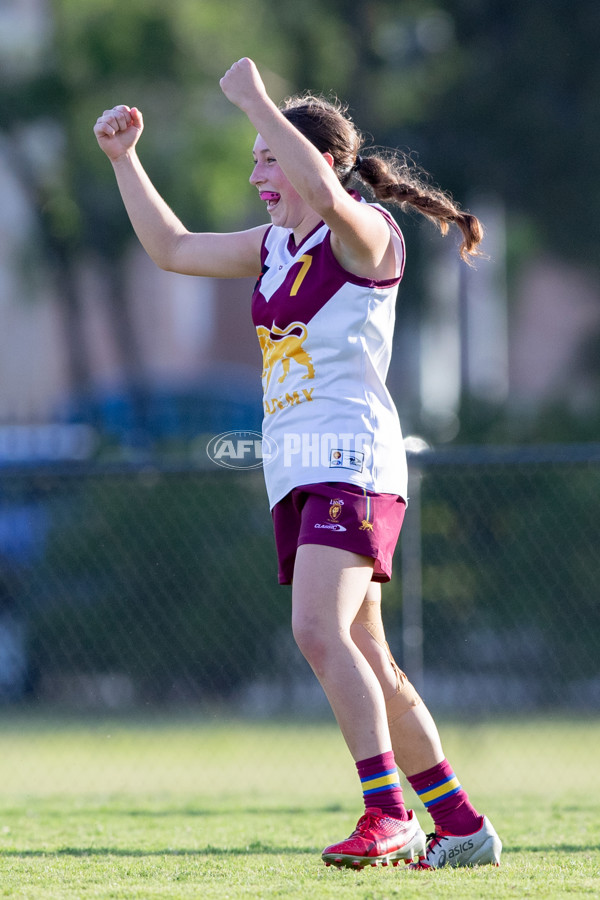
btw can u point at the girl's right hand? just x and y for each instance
(118, 129)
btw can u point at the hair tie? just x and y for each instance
(357, 163)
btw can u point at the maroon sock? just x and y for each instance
(381, 785)
(446, 800)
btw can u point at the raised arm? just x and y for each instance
(163, 236)
(361, 237)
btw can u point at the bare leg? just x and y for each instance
(328, 590)
(414, 735)
(418, 749)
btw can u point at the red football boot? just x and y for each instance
(378, 838)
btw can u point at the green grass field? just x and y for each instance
(180, 809)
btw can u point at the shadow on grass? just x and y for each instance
(552, 848)
(225, 810)
(185, 811)
(254, 849)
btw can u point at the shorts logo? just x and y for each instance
(335, 509)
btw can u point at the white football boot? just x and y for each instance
(483, 847)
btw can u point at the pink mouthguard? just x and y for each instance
(269, 195)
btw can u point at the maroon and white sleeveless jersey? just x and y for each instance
(326, 339)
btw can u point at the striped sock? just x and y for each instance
(445, 799)
(381, 785)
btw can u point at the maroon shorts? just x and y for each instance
(338, 515)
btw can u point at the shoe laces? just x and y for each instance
(435, 838)
(369, 819)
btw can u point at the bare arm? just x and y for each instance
(163, 236)
(361, 237)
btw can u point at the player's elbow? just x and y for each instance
(165, 263)
(167, 255)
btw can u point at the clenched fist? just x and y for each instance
(118, 129)
(242, 84)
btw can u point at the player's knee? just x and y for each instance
(356, 633)
(310, 641)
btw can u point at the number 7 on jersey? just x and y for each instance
(306, 260)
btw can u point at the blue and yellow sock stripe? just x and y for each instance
(440, 791)
(383, 781)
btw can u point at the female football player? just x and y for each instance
(329, 264)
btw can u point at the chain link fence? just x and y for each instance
(502, 578)
(133, 587)
(156, 583)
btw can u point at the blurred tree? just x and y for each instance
(519, 113)
(167, 61)
(518, 118)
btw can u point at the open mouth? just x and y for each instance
(271, 198)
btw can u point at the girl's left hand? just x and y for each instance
(242, 84)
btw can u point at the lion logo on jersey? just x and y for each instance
(284, 345)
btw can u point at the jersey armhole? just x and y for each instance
(397, 241)
(264, 250)
(399, 253)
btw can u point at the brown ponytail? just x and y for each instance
(396, 180)
(392, 177)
